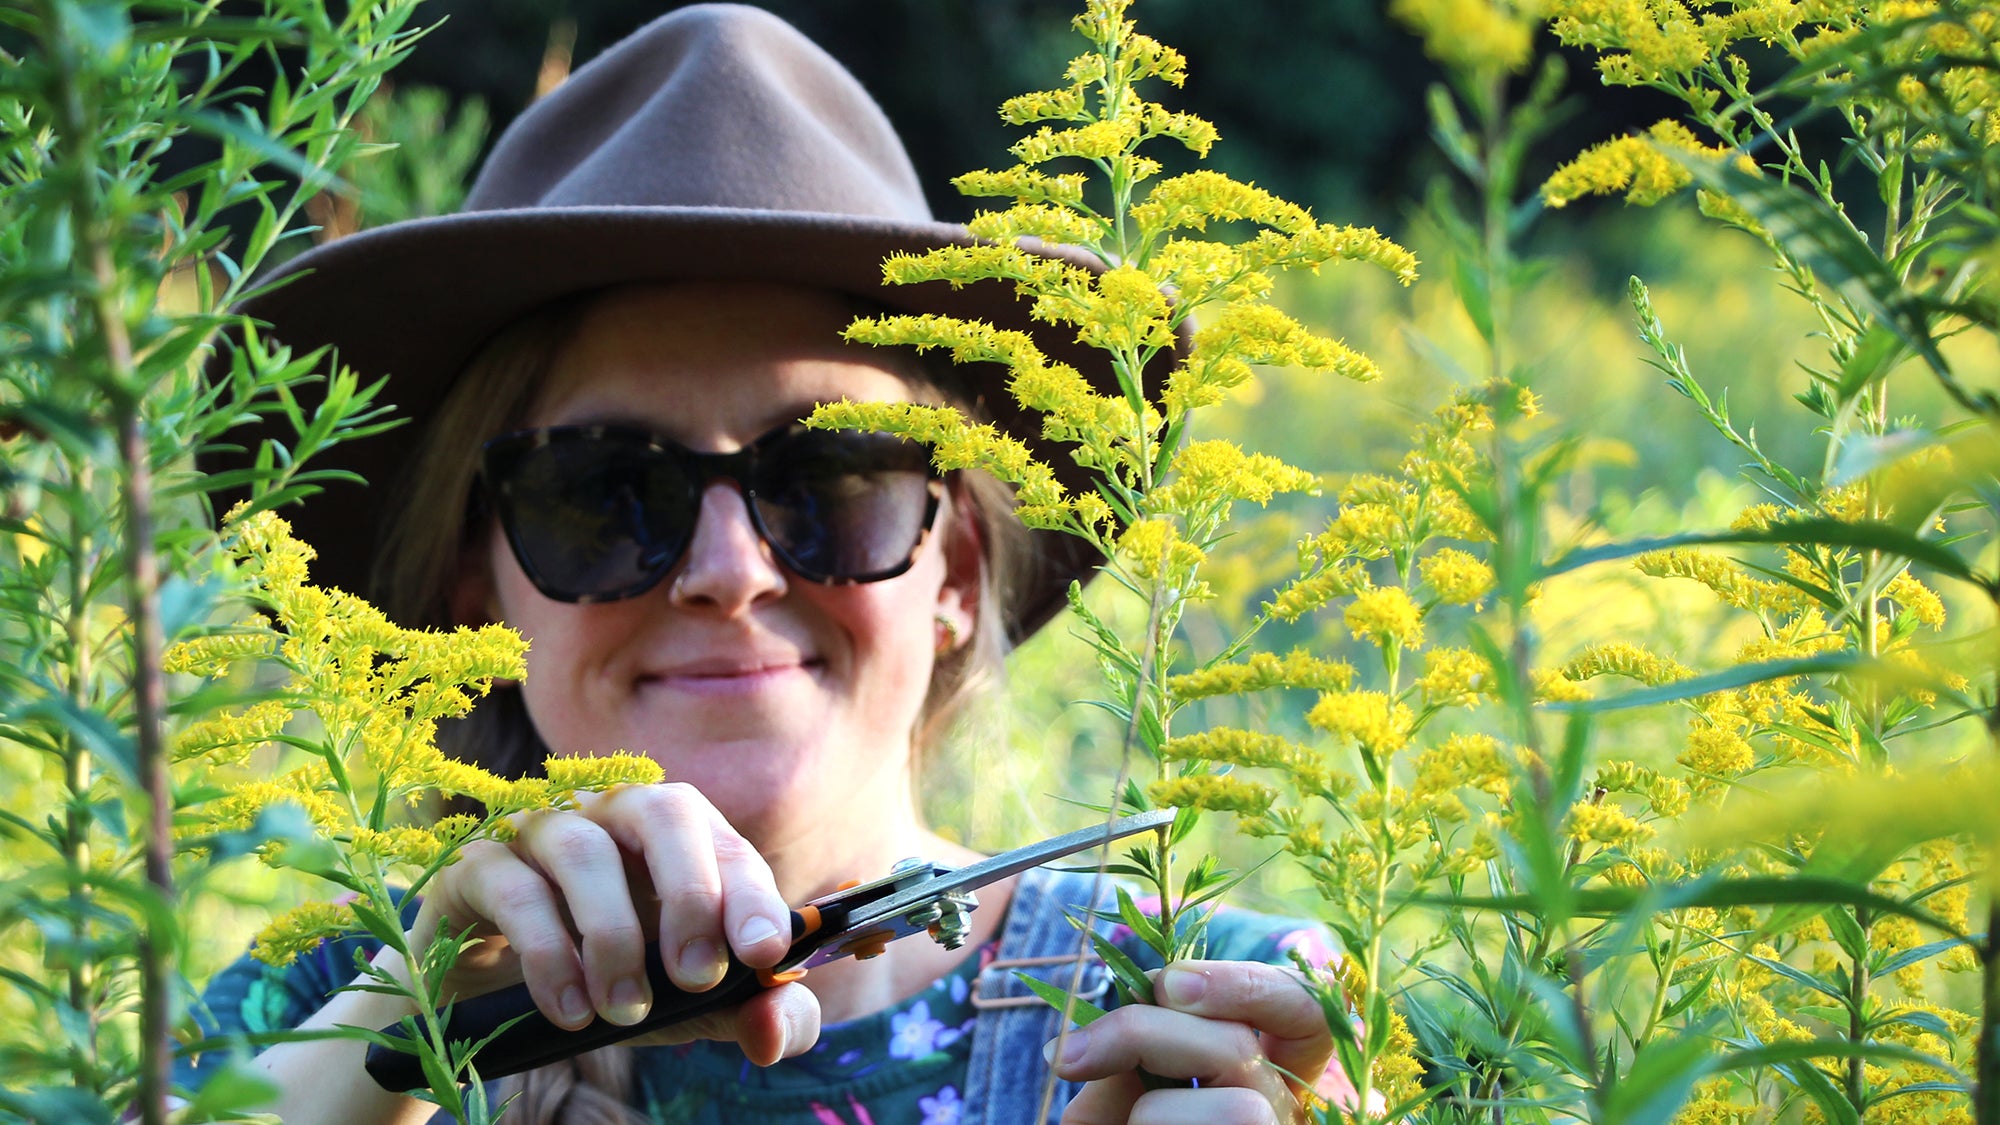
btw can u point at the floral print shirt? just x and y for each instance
(903, 1066)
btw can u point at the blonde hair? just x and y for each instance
(437, 532)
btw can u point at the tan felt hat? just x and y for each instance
(716, 143)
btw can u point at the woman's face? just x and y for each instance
(771, 694)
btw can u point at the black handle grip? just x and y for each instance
(535, 1041)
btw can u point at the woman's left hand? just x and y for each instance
(1239, 1028)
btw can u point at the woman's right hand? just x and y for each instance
(570, 903)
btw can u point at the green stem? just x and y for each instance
(78, 819)
(1666, 976)
(149, 692)
(1986, 1051)
(1156, 613)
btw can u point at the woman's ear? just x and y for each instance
(964, 546)
(471, 601)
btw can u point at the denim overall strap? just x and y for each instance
(1003, 1082)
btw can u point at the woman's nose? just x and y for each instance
(728, 565)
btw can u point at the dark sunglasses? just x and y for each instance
(599, 513)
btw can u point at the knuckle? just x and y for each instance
(692, 907)
(620, 936)
(572, 837)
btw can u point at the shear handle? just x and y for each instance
(535, 1041)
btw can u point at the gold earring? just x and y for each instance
(949, 627)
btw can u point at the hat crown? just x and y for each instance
(713, 105)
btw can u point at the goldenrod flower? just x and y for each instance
(453, 777)
(1154, 551)
(1472, 35)
(1622, 658)
(1308, 593)
(212, 655)
(1368, 718)
(1716, 751)
(1605, 824)
(1647, 169)
(399, 845)
(1452, 674)
(601, 771)
(1387, 616)
(1917, 599)
(1260, 671)
(1463, 761)
(1456, 576)
(300, 930)
(1668, 796)
(1256, 749)
(1220, 792)
(1207, 473)
(229, 737)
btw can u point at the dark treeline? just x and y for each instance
(1320, 100)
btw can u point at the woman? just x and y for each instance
(643, 296)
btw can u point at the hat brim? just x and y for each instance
(415, 301)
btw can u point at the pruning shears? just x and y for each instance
(858, 920)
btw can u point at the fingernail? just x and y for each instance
(574, 1005)
(756, 928)
(701, 964)
(1073, 1047)
(1183, 986)
(629, 1002)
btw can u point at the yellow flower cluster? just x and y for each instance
(1217, 792)
(1605, 824)
(1386, 616)
(1368, 718)
(1623, 658)
(1729, 581)
(1716, 751)
(1463, 761)
(599, 772)
(1208, 474)
(300, 930)
(214, 654)
(1647, 169)
(1918, 600)
(1261, 671)
(227, 738)
(1455, 675)
(1480, 36)
(1456, 576)
(958, 444)
(1314, 590)
(1152, 550)
(1241, 335)
(399, 845)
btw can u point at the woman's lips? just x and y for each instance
(724, 681)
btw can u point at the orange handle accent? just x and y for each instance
(771, 978)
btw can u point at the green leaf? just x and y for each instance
(1754, 673)
(1658, 1081)
(238, 1088)
(1082, 1012)
(1869, 535)
(1879, 351)
(1756, 890)
(1796, 1050)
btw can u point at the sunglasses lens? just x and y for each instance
(844, 505)
(596, 518)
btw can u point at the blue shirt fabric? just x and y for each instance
(907, 1064)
